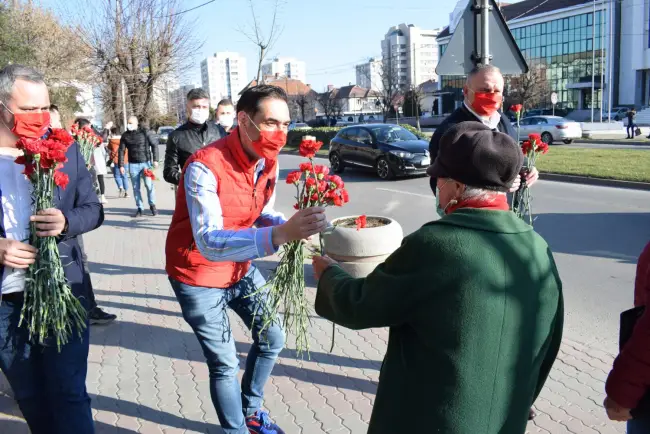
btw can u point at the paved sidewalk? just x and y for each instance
(147, 375)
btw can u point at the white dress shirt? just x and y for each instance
(15, 191)
(491, 122)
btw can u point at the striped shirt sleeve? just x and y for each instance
(206, 216)
(269, 216)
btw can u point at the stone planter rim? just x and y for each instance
(390, 221)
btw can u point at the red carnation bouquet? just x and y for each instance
(517, 109)
(314, 187)
(87, 140)
(523, 200)
(50, 308)
(149, 174)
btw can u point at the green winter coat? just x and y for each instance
(475, 309)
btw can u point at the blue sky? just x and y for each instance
(331, 36)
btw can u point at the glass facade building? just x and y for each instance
(563, 51)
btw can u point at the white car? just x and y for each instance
(551, 128)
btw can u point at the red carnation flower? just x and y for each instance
(526, 147)
(29, 170)
(322, 186)
(516, 108)
(337, 200)
(294, 177)
(305, 167)
(21, 160)
(62, 136)
(336, 180)
(542, 147)
(345, 196)
(310, 183)
(309, 148)
(361, 221)
(61, 179)
(535, 137)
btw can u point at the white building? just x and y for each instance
(162, 91)
(178, 98)
(634, 60)
(369, 75)
(412, 53)
(286, 67)
(223, 76)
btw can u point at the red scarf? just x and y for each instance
(499, 203)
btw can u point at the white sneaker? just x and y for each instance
(103, 200)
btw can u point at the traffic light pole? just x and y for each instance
(485, 31)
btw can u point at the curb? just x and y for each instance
(602, 182)
(612, 142)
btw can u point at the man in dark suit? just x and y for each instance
(483, 92)
(49, 386)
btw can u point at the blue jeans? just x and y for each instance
(122, 181)
(638, 426)
(205, 311)
(135, 170)
(50, 387)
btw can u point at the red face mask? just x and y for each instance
(30, 125)
(486, 104)
(270, 143)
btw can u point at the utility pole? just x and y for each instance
(485, 32)
(602, 57)
(610, 62)
(593, 58)
(123, 102)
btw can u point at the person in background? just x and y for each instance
(121, 179)
(473, 301)
(142, 146)
(629, 379)
(98, 161)
(49, 385)
(631, 125)
(193, 135)
(224, 115)
(224, 219)
(483, 93)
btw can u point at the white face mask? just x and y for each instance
(132, 127)
(226, 121)
(199, 116)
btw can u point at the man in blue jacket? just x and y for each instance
(49, 386)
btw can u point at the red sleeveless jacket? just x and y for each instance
(241, 200)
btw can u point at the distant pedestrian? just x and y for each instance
(631, 125)
(142, 146)
(224, 115)
(122, 180)
(193, 135)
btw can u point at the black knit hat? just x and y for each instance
(475, 155)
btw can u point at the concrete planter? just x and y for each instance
(360, 251)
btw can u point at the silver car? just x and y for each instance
(551, 128)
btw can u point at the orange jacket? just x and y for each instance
(113, 147)
(241, 206)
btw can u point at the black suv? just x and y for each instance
(389, 150)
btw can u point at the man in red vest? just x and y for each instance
(224, 218)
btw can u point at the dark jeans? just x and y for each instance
(205, 310)
(50, 387)
(631, 126)
(638, 426)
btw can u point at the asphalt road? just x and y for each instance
(596, 234)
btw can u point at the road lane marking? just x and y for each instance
(428, 196)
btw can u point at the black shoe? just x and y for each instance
(531, 414)
(154, 210)
(138, 213)
(99, 317)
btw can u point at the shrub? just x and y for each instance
(415, 131)
(324, 134)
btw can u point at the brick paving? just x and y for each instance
(147, 375)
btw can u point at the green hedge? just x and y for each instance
(415, 131)
(324, 134)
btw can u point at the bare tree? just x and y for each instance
(257, 36)
(304, 101)
(141, 42)
(390, 88)
(413, 103)
(332, 105)
(530, 89)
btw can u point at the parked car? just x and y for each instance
(163, 134)
(617, 113)
(551, 128)
(389, 150)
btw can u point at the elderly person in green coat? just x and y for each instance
(473, 301)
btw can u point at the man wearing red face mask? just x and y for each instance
(224, 218)
(49, 386)
(483, 93)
